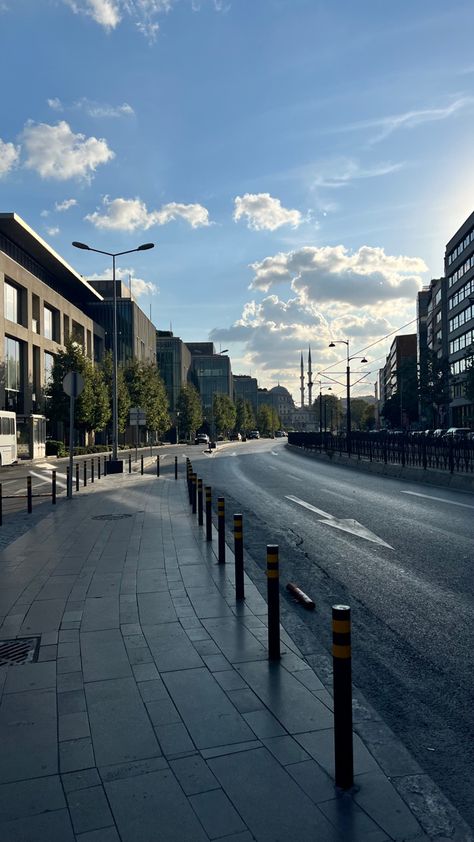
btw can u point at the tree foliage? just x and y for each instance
(433, 388)
(190, 409)
(147, 391)
(268, 420)
(224, 413)
(123, 397)
(92, 410)
(245, 418)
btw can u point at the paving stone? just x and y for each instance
(194, 774)
(69, 681)
(145, 672)
(238, 837)
(47, 653)
(171, 647)
(152, 690)
(41, 828)
(28, 798)
(43, 616)
(244, 777)
(218, 751)
(32, 676)
(28, 734)
(264, 724)
(156, 608)
(378, 797)
(120, 727)
(162, 712)
(70, 649)
(89, 809)
(100, 612)
(286, 750)
(66, 635)
(105, 834)
(104, 655)
(244, 700)
(140, 656)
(69, 665)
(216, 663)
(73, 726)
(71, 702)
(320, 745)
(147, 805)
(120, 771)
(231, 680)
(174, 740)
(313, 780)
(75, 755)
(350, 821)
(80, 780)
(309, 679)
(130, 628)
(216, 813)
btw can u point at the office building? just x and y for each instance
(459, 272)
(246, 388)
(136, 333)
(173, 358)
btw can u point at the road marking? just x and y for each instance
(345, 524)
(439, 499)
(274, 453)
(272, 468)
(298, 479)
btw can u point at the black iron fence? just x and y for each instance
(416, 451)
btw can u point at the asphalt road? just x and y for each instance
(401, 555)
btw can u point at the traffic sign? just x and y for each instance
(137, 416)
(73, 384)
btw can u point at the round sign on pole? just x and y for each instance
(73, 384)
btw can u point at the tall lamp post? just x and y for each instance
(348, 389)
(321, 384)
(115, 466)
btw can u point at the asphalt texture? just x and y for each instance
(412, 601)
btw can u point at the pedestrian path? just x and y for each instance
(152, 712)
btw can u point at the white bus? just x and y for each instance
(8, 445)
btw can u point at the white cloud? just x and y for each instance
(52, 231)
(127, 276)
(97, 109)
(263, 212)
(65, 205)
(55, 103)
(367, 276)
(104, 12)
(56, 152)
(110, 13)
(9, 157)
(413, 118)
(340, 172)
(130, 214)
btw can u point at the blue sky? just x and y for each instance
(299, 164)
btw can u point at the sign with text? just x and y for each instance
(137, 417)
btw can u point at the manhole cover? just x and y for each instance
(24, 650)
(109, 517)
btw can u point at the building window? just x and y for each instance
(35, 315)
(12, 364)
(48, 368)
(48, 323)
(11, 303)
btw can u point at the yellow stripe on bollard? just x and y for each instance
(341, 626)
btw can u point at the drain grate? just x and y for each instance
(23, 650)
(109, 517)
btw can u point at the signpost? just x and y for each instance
(73, 384)
(137, 419)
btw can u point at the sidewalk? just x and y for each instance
(153, 713)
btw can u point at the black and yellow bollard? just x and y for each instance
(92, 469)
(53, 488)
(158, 465)
(273, 600)
(221, 529)
(85, 473)
(342, 684)
(190, 489)
(141, 464)
(98, 467)
(129, 463)
(239, 556)
(208, 513)
(194, 492)
(200, 506)
(176, 467)
(29, 495)
(77, 476)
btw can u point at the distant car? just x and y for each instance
(254, 434)
(437, 434)
(201, 438)
(235, 437)
(280, 434)
(457, 433)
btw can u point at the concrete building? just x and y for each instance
(246, 387)
(44, 302)
(459, 272)
(136, 334)
(210, 372)
(399, 375)
(173, 358)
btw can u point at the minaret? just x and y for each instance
(310, 379)
(302, 380)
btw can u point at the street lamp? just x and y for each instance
(114, 468)
(348, 388)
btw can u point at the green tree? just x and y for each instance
(433, 386)
(147, 390)
(334, 413)
(268, 420)
(245, 419)
(358, 410)
(190, 409)
(368, 417)
(123, 398)
(92, 411)
(224, 413)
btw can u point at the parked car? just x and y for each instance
(457, 433)
(280, 434)
(439, 433)
(201, 438)
(235, 437)
(254, 434)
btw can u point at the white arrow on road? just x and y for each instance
(345, 524)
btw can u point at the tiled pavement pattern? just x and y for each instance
(153, 712)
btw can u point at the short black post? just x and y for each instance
(85, 473)
(273, 600)
(1, 505)
(92, 469)
(208, 513)
(77, 476)
(200, 507)
(194, 492)
(342, 685)
(176, 467)
(105, 465)
(190, 485)
(158, 466)
(53, 488)
(221, 529)
(68, 480)
(29, 495)
(239, 556)
(98, 467)
(141, 464)
(129, 463)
